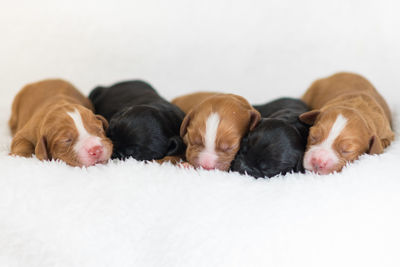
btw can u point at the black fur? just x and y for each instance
(143, 125)
(278, 142)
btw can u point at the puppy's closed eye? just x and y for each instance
(197, 141)
(225, 147)
(66, 140)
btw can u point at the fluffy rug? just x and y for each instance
(135, 214)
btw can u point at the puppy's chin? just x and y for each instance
(76, 161)
(324, 162)
(138, 154)
(241, 166)
(200, 158)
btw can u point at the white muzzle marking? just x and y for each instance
(208, 157)
(323, 153)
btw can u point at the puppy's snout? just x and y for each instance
(208, 161)
(318, 164)
(321, 162)
(208, 166)
(95, 152)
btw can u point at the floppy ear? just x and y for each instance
(309, 117)
(103, 121)
(255, 118)
(175, 146)
(41, 149)
(375, 146)
(185, 123)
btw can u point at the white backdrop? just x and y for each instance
(260, 49)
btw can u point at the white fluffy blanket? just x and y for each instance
(135, 214)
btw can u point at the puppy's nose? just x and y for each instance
(95, 151)
(318, 165)
(208, 166)
(208, 161)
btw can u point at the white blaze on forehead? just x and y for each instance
(83, 134)
(335, 131)
(208, 157)
(212, 124)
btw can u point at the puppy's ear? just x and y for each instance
(185, 123)
(41, 149)
(255, 118)
(175, 146)
(375, 146)
(103, 121)
(309, 117)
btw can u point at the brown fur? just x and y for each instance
(237, 117)
(189, 101)
(41, 126)
(368, 129)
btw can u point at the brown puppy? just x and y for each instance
(53, 120)
(214, 126)
(350, 118)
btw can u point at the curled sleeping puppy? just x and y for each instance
(213, 128)
(349, 118)
(143, 125)
(53, 120)
(277, 143)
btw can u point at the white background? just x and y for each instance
(259, 49)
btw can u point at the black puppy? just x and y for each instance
(278, 142)
(143, 125)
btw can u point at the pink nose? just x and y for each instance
(95, 151)
(208, 167)
(318, 164)
(208, 164)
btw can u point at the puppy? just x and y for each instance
(53, 120)
(213, 128)
(277, 143)
(349, 118)
(143, 125)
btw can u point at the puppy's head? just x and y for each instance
(145, 133)
(338, 136)
(213, 130)
(72, 133)
(273, 147)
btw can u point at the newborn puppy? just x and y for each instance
(53, 120)
(350, 118)
(277, 143)
(214, 127)
(143, 125)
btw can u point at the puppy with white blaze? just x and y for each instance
(214, 126)
(53, 120)
(349, 118)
